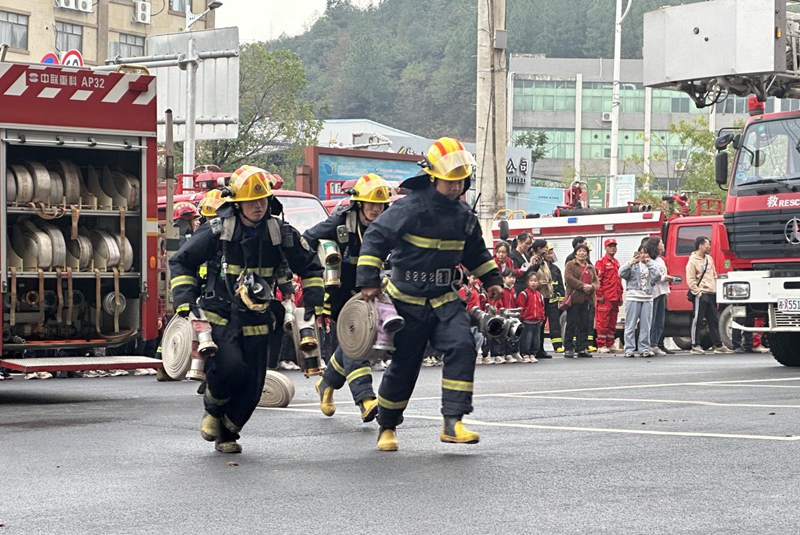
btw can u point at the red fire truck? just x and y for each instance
(78, 216)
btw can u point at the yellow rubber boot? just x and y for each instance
(453, 432)
(209, 427)
(387, 440)
(325, 398)
(369, 409)
(228, 447)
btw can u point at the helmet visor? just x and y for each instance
(456, 165)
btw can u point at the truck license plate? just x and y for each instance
(789, 305)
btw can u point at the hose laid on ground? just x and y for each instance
(278, 390)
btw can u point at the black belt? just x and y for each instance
(436, 277)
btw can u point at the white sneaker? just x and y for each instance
(488, 360)
(31, 375)
(615, 349)
(117, 373)
(697, 350)
(44, 375)
(140, 371)
(657, 351)
(499, 360)
(283, 365)
(761, 349)
(533, 359)
(427, 362)
(603, 350)
(526, 359)
(722, 350)
(479, 360)
(510, 359)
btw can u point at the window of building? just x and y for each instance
(177, 5)
(14, 29)
(127, 46)
(596, 144)
(560, 142)
(684, 244)
(666, 101)
(69, 37)
(544, 95)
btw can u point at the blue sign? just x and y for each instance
(332, 167)
(544, 200)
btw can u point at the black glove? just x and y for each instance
(308, 313)
(184, 310)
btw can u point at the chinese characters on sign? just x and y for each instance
(517, 173)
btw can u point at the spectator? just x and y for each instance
(701, 275)
(581, 284)
(640, 275)
(502, 349)
(609, 298)
(551, 303)
(522, 246)
(501, 258)
(471, 295)
(581, 240)
(532, 315)
(655, 248)
(532, 260)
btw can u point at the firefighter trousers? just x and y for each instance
(236, 374)
(554, 322)
(607, 314)
(357, 373)
(447, 329)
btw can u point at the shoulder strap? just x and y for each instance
(703, 274)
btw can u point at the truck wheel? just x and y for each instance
(784, 347)
(725, 327)
(684, 343)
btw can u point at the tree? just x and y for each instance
(534, 140)
(275, 124)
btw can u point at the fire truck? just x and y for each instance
(78, 216)
(761, 241)
(628, 226)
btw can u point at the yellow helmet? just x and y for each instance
(449, 160)
(371, 188)
(211, 203)
(249, 183)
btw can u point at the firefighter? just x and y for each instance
(186, 217)
(551, 304)
(368, 199)
(210, 203)
(428, 232)
(609, 298)
(245, 247)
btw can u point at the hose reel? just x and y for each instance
(278, 390)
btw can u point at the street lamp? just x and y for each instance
(191, 18)
(620, 16)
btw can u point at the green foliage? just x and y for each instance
(411, 63)
(275, 122)
(534, 140)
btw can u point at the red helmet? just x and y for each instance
(186, 211)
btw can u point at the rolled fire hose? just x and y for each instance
(93, 186)
(176, 347)
(80, 251)
(24, 182)
(278, 390)
(71, 176)
(56, 188)
(11, 186)
(41, 181)
(133, 199)
(58, 242)
(357, 327)
(105, 246)
(117, 198)
(32, 244)
(123, 185)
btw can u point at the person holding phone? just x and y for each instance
(641, 275)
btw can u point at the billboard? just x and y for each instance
(595, 194)
(622, 190)
(543, 201)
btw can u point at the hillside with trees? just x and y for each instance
(411, 63)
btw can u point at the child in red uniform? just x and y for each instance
(502, 349)
(531, 303)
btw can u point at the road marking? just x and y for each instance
(677, 401)
(470, 421)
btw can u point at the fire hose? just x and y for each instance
(24, 189)
(41, 181)
(80, 250)
(32, 244)
(71, 177)
(278, 390)
(365, 329)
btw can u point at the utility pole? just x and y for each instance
(620, 16)
(491, 135)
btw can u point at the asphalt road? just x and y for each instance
(677, 444)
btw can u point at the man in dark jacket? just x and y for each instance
(243, 247)
(429, 232)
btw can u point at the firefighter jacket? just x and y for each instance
(236, 249)
(428, 235)
(610, 290)
(344, 228)
(557, 282)
(531, 306)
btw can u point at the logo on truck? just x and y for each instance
(792, 231)
(774, 202)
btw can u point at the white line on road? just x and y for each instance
(678, 401)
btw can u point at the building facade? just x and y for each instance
(98, 29)
(570, 99)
